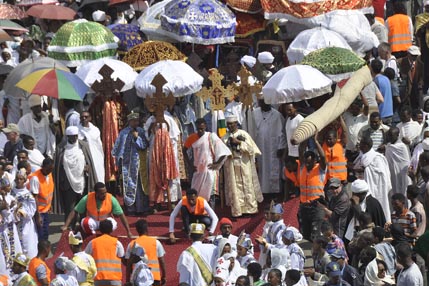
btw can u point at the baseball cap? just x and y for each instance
(334, 183)
(333, 269)
(11, 127)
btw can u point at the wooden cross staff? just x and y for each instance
(217, 93)
(245, 90)
(107, 85)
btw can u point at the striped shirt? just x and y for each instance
(407, 219)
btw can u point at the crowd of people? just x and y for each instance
(362, 182)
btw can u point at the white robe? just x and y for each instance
(270, 138)
(398, 158)
(410, 130)
(208, 149)
(187, 267)
(377, 175)
(64, 280)
(25, 223)
(8, 231)
(40, 131)
(91, 135)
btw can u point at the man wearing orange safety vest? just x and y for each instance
(37, 267)
(400, 30)
(194, 209)
(42, 187)
(154, 251)
(312, 177)
(97, 206)
(107, 252)
(335, 157)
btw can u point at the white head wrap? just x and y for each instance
(265, 58)
(248, 60)
(425, 143)
(99, 16)
(72, 130)
(359, 186)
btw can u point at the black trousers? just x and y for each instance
(310, 218)
(189, 218)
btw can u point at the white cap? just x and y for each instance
(359, 186)
(72, 130)
(414, 50)
(231, 118)
(34, 100)
(265, 58)
(99, 16)
(425, 143)
(249, 60)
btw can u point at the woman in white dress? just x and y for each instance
(24, 213)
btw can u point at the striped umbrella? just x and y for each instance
(54, 83)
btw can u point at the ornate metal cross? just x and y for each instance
(245, 90)
(217, 93)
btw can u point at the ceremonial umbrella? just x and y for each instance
(150, 22)
(25, 68)
(311, 40)
(54, 83)
(204, 22)
(80, 41)
(35, 2)
(12, 26)
(52, 12)
(89, 72)
(128, 35)
(8, 11)
(151, 52)
(295, 83)
(181, 79)
(5, 36)
(335, 63)
(248, 24)
(245, 6)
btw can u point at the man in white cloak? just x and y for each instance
(399, 160)
(174, 134)
(209, 154)
(376, 173)
(37, 125)
(271, 140)
(90, 133)
(409, 130)
(241, 179)
(35, 157)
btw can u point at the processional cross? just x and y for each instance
(217, 92)
(159, 101)
(107, 85)
(245, 90)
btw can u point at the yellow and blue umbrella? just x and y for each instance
(54, 83)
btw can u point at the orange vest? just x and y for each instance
(293, 176)
(105, 209)
(199, 206)
(108, 263)
(336, 161)
(34, 263)
(149, 245)
(311, 184)
(46, 191)
(400, 38)
(4, 279)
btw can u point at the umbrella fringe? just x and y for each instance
(81, 49)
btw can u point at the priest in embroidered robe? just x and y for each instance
(195, 264)
(90, 133)
(209, 154)
(271, 140)
(128, 152)
(74, 173)
(37, 125)
(241, 180)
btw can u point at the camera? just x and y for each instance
(233, 145)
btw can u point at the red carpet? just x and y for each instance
(158, 226)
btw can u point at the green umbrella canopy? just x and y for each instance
(334, 61)
(80, 41)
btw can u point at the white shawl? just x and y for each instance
(74, 164)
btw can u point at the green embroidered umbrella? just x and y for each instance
(336, 63)
(81, 41)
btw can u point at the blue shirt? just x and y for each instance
(383, 84)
